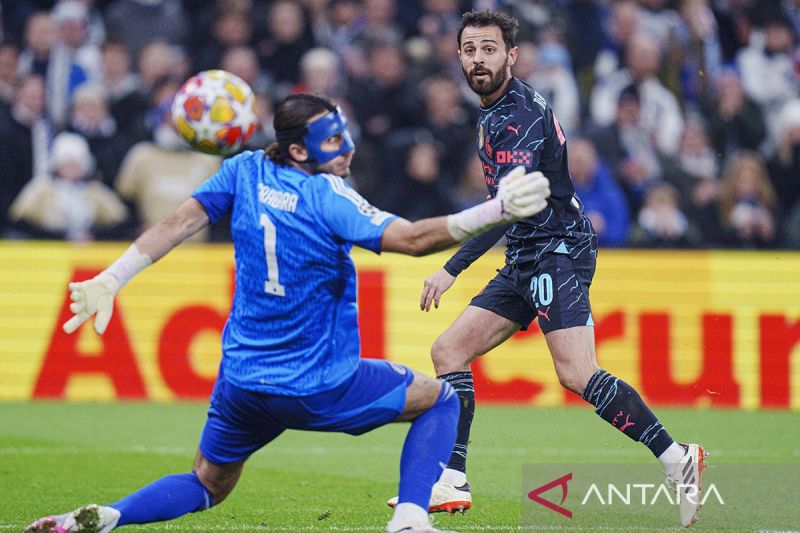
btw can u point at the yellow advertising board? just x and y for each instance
(706, 328)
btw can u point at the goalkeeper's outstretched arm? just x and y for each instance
(96, 296)
(519, 196)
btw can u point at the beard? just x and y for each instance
(484, 87)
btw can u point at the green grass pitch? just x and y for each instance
(57, 456)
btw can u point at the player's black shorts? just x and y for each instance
(555, 289)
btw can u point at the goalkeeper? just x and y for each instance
(290, 347)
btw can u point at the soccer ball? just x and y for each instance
(214, 112)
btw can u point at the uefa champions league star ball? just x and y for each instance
(214, 112)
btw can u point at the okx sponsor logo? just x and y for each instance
(735, 497)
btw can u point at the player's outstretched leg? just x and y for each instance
(427, 446)
(167, 498)
(620, 405)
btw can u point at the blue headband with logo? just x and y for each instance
(325, 127)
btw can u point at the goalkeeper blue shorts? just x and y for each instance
(239, 422)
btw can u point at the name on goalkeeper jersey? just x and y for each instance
(285, 201)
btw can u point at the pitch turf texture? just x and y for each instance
(55, 457)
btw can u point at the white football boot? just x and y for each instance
(685, 477)
(89, 519)
(446, 498)
(418, 529)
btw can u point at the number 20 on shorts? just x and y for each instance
(542, 289)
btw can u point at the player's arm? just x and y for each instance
(519, 195)
(96, 296)
(440, 281)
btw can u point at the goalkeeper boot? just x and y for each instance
(685, 477)
(446, 498)
(89, 519)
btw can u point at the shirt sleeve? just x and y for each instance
(217, 192)
(473, 248)
(350, 216)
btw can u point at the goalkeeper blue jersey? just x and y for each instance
(293, 327)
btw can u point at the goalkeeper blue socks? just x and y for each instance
(427, 447)
(465, 388)
(165, 499)
(621, 406)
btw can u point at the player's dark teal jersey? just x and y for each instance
(521, 129)
(293, 326)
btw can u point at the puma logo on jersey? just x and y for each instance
(544, 314)
(515, 130)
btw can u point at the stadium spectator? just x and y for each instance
(471, 188)
(660, 112)
(287, 364)
(769, 57)
(413, 186)
(231, 28)
(662, 23)
(734, 21)
(784, 167)
(9, 58)
(695, 175)
(661, 223)
(128, 102)
(288, 38)
(604, 203)
(138, 23)
(735, 121)
(69, 204)
(159, 60)
(747, 203)
(451, 122)
(321, 73)
(91, 118)
(622, 24)
(156, 176)
(549, 71)
(379, 23)
(25, 134)
(699, 58)
(71, 18)
(243, 62)
(54, 63)
(628, 149)
(386, 101)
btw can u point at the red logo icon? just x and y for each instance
(560, 482)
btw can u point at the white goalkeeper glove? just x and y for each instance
(92, 297)
(519, 195)
(523, 195)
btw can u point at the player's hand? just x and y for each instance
(92, 297)
(523, 195)
(435, 285)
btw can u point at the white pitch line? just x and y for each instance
(383, 450)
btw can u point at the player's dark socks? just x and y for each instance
(465, 388)
(620, 405)
(164, 499)
(427, 445)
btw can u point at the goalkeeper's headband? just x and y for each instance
(316, 132)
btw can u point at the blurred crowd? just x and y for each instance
(682, 116)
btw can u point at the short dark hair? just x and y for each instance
(291, 117)
(480, 19)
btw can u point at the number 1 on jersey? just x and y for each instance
(271, 286)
